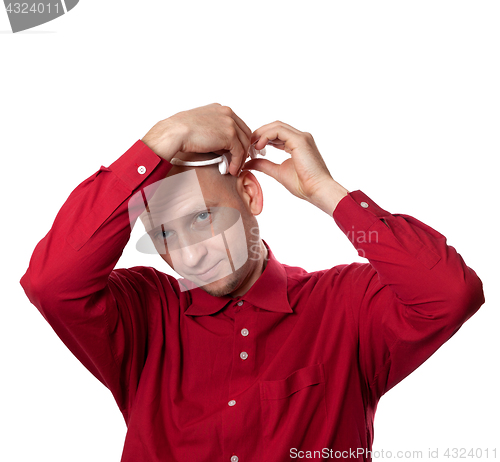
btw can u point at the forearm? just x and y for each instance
(411, 258)
(412, 297)
(74, 260)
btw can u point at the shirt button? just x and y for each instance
(243, 355)
(234, 459)
(232, 402)
(364, 205)
(142, 170)
(239, 303)
(244, 332)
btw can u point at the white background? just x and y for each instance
(402, 99)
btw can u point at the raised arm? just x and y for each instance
(70, 278)
(100, 313)
(412, 297)
(416, 291)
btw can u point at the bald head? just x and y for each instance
(211, 180)
(204, 224)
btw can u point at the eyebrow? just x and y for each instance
(197, 209)
(207, 204)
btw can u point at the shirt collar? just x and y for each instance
(269, 292)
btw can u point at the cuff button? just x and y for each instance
(142, 170)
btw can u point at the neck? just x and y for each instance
(257, 269)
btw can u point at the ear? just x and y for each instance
(250, 192)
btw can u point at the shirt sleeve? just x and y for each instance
(95, 310)
(412, 297)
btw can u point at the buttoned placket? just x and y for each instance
(243, 373)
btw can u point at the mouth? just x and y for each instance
(209, 274)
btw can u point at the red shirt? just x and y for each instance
(298, 363)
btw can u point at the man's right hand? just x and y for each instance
(211, 128)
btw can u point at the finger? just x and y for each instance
(246, 142)
(276, 144)
(258, 133)
(239, 150)
(264, 166)
(277, 135)
(242, 125)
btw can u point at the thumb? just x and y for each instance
(264, 166)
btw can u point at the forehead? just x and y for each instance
(188, 191)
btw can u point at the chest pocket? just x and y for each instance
(302, 378)
(293, 410)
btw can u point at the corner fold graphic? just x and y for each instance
(25, 15)
(70, 4)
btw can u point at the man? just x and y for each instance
(244, 359)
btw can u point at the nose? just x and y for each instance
(192, 255)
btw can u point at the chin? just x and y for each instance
(224, 286)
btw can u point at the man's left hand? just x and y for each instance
(305, 174)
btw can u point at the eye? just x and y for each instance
(203, 216)
(162, 234)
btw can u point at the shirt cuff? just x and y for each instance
(357, 208)
(137, 164)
